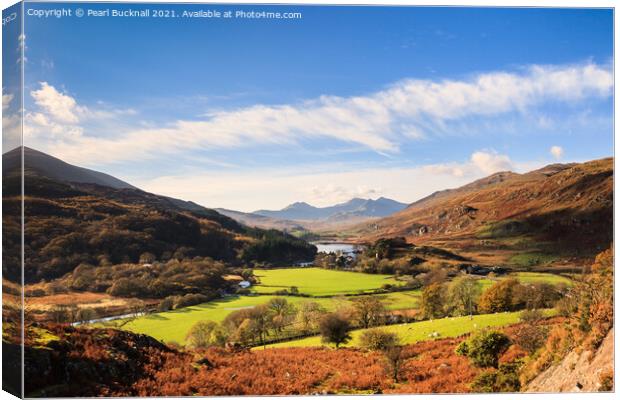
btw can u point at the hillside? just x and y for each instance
(41, 163)
(73, 223)
(578, 372)
(562, 210)
(99, 367)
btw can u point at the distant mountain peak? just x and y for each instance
(356, 207)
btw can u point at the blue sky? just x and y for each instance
(347, 101)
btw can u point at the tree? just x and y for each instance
(484, 348)
(86, 314)
(335, 329)
(369, 310)
(432, 303)
(260, 320)
(200, 334)
(244, 334)
(535, 295)
(309, 315)
(394, 357)
(281, 312)
(378, 339)
(463, 293)
(499, 297)
(59, 313)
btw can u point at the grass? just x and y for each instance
(527, 277)
(172, 326)
(537, 277)
(319, 282)
(402, 300)
(425, 330)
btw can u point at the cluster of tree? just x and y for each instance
(277, 248)
(62, 234)
(199, 276)
(462, 296)
(278, 319)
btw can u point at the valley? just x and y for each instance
(107, 260)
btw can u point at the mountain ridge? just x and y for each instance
(357, 207)
(559, 209)
(57, 169)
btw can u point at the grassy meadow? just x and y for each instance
(172, 326)
(424, 330)
(330, 286)
(318, 281)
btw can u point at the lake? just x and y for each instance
(339, 248)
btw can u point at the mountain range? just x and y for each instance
(355, 207)
(75, 215)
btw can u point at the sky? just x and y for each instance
(345, 102)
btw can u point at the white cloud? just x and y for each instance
(58, 121)
(59, 106)
(491, 162)
(557, 152)
(7, 98)
(332, 194)
(381, 121)
(325, 185)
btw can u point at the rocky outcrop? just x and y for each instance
(583, 372)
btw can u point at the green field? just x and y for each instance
(537, 277)
(172, 326)
(527, 277)
(419, 331)
(319, 282)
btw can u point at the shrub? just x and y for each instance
(484, 348)
(485, 382)
(505, 379)
(530, 337)
(606, 381)
(166, 304)
(531, 316)
(191, 300)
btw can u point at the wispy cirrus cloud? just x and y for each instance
(406, 111)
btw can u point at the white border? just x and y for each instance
(481, 3)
